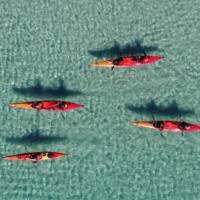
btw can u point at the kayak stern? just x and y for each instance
(104, 63)
(27, 105)
(145, 124)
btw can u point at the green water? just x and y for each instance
(49, 40)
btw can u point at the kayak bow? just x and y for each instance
(35, 157)
(129, 61)
(176, 126)
(51, 105)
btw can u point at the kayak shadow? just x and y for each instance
(41, 91)
(151, 108)
(34, 137)
(130, 49)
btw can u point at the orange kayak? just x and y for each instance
(51, 105)
(128, 61)
(176, 126)
(35, 157)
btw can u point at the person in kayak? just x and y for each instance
(183, 125)
(50, 155)
(44, 156)
(61, 105)
(117, 61)
(139, 58)
(34, 157)
(159, 125)
(37, 105)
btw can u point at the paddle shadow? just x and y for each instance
(40, 91)
(34, 137)
(151, 108)
(132, 48)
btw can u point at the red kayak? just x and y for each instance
(176, 126)
(129, 61)
(50, 105)
(35, 157)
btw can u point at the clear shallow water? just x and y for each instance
(109, 158)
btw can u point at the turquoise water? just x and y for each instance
(48, 41)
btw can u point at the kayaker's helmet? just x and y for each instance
(37, 104)
(50, 154)
(158, 124)
(117, 61)
(33, 156)
(183, 125)
(62, 105)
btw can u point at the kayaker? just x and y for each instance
(44, 156)
(37, 105)
(183, 125)
(61, 105)
(34, 157)
(159, 125)
(117, 61)
(50, 155)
